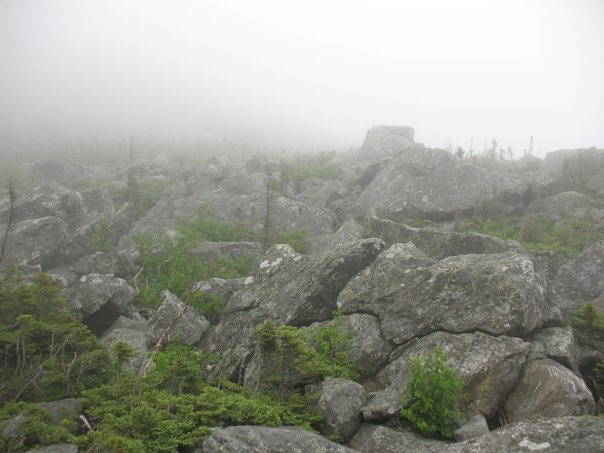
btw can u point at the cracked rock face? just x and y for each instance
(290, 289)
(548, 389)
(413, 295)
(489, 367)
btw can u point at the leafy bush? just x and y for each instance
(173, 408)
(292, 355)
(588, 317)
(568, 238)
(36, 428)
(45, 351)
(433, 395)
(170, 264)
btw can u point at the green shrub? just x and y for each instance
(100, 241)
(45, 352)
(434, 393)
(170, 264)
(36, 429)
(588, 317)
(292, 355)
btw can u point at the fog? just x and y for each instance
(303, 75)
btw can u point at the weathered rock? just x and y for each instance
(548, 389)
(133, 332)
(340, 404)
(439, 244)
(489, 367)
(349, 231)
(235, 197)
(212, 251)
(99, 299)
(386, 141)
(473, 428)
(572, 165)
(580, 280)
(175, 318)
(42, 241)
(434, 184)
(67, 408)
(290, 289)
(558, 435)
(285, 439)
(121, 264)
(376, 438)
(557, 343)
(412, 295)
(323, 193)
(11, 428)
(220, 287)
(562, 206)
(56, 448)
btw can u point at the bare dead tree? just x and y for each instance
(12, 196)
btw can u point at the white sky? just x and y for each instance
(305, 73)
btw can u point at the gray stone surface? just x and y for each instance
(548, 389)
(557, 343)
(99, 299)
(580, 280)
(382, 142)
(439, 244)
(557, 435)
(434, 184)
(489, 367)
(340, 403)
(285, 439)
(380, 439)
(290, 289)
(236, 197)
(173, 318)
(562, 206)
(413, 296)
(133, 332)
(473, 428)
(350, 231)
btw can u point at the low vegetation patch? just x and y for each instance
(434, 393)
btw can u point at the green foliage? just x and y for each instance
(35, 429)
(317, 166)
(121, 352)
(332, 350)
(100, 240)
(207, 227)
(172, 408)
(43, 349)
(295, 238)
(588, 317)
(171, 264)
(434, 392)
(568, 238)
(292, 355)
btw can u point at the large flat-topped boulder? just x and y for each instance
(434, 184)
(412, 295)
(386, 141)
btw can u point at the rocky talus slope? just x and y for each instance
(496, 309)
